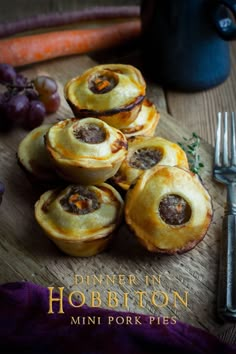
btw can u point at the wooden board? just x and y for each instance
(26, 254)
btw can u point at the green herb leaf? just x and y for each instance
(191, 147)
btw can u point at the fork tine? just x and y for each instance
(225, 140)
(233, 143)
(218, 140)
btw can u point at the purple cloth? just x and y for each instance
(26, 327)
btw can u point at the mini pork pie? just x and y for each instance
(80, 220)
(86, 151)
(146, 122)
(145, 153)
(111, 92)
(168, 209)
(33, 156)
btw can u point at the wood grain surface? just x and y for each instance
(26, 254)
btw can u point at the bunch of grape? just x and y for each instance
(25, 102)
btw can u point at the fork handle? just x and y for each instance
(226, 305)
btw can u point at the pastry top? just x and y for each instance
(89, 142)
(145, 153)
(169, 208)
(79, 212)
(106, 87)
(33, 155)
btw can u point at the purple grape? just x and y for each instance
(45, 85)
(51, 102)
(2, 98)
(5, 96)
(17, 107)
(35, 116)
(7, 74)
(5, 124)
(31, 94)
(21, 80)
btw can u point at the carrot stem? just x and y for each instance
(66, 18)
(20, 51)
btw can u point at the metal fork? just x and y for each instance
(225, 172)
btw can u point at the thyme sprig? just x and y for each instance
(191, 147)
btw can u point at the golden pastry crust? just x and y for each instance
(146, 122)
(168, 209)
(33, 156)
(80, 220)
(111, 92)
(145, 153)
(79, 159)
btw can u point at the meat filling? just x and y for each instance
(174, 210)
(80, 201)
(145, 158)
(91, 134)
(103, 82)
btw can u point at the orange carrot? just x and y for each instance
(31, 49)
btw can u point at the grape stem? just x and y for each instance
(12, 86)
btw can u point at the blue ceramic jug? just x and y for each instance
(184, 42)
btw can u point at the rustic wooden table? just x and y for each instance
(26, 255)
(197, 112)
